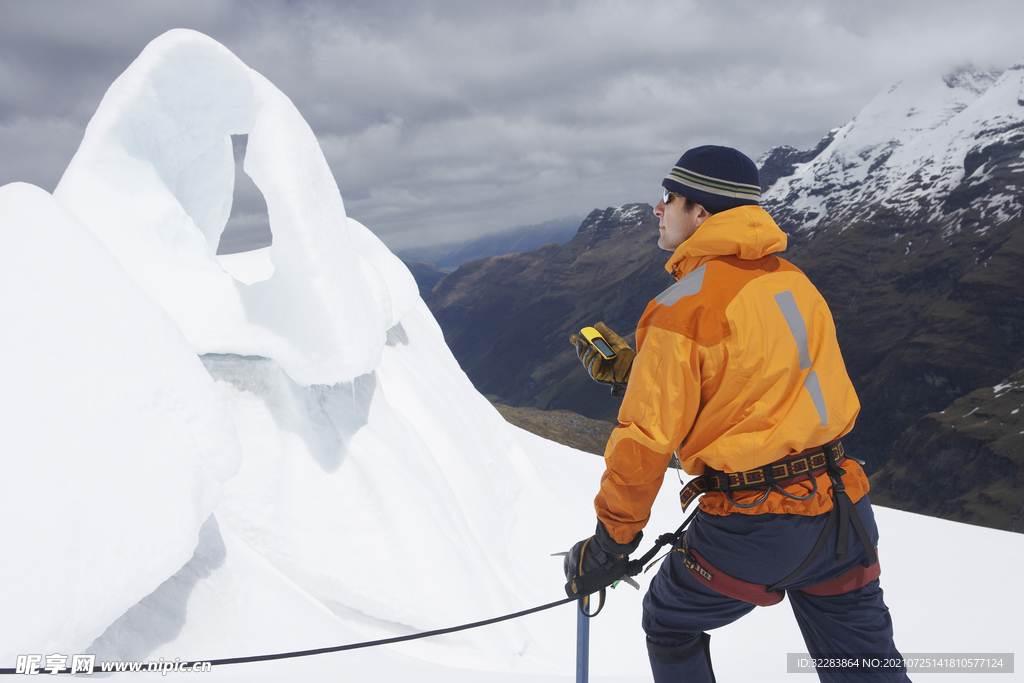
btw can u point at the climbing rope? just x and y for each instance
(365, 644)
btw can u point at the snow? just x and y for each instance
(1001, 388)
(275, 451)
(116, 441)
(249, 266)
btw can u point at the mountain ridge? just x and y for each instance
(522, 238)
(513, 340)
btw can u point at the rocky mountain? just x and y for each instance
(562, 426)
(508, 318)
(965, 462)
(909, 221)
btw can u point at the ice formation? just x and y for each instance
(153, 179)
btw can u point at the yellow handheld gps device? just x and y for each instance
(598, 342)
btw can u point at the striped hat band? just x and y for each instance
(716, 186)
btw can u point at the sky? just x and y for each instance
(445, 121)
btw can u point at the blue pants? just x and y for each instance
(764, 549)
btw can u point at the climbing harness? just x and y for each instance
(773, 477)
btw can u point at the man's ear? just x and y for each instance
(702, 215)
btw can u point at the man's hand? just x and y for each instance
(596, 554)
(615, 371)
(585, 557)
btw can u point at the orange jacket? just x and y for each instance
(737, 366)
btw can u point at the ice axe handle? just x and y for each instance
(582, 645)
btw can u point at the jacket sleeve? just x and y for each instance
(660, 406)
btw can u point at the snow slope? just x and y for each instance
(374, 491)
(115, 443)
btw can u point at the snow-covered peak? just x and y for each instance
(910, 143)
(631, 213)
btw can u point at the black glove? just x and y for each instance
(596, 555)
(614, 372)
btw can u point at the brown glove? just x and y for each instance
(614, 372)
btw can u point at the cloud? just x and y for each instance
(445, 120)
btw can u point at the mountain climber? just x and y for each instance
(737, 372)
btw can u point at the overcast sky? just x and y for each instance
(445, 120)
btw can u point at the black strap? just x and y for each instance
(815, 551)
(843, 513)
(862, 533)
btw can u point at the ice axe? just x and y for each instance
(622, 569)
(596, 582)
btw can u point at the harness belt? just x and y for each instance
(806, 465)
(774, 476)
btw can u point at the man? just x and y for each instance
(737, 371)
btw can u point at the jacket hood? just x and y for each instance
(746, 231)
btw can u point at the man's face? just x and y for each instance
(676, 223)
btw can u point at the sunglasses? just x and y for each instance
(667, 197)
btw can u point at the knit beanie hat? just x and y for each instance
(717, 178)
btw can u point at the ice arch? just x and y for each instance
(153, 178)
